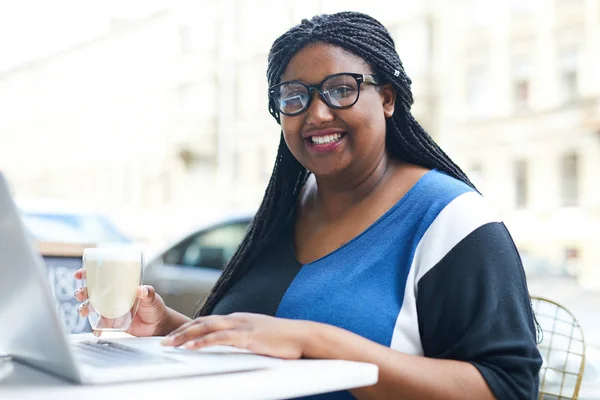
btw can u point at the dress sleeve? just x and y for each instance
(474, 306)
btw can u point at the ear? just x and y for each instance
(388, 98)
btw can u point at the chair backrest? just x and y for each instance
(562, 348)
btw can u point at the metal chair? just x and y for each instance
(562, 348)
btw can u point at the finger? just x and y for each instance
(104, 323)
(199, 329)
(192, 323)
(97, 333)
(225, 338)
(80, 274)
(186, 326)
(84, 309)
(81, 294)
(146, 294)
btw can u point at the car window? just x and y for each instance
(88, 228)
(212, 248)
(47, 230)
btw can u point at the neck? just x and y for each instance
(331, 198)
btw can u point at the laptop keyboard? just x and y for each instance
(104, 354)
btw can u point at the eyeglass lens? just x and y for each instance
(338, 91)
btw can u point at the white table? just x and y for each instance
(293, 378)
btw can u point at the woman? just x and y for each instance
(370, 243)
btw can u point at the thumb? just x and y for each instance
(147, 294)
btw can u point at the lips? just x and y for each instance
(322, 132)
(324, 139)
(325, 143)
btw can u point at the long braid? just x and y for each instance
(288, 177)
(405, 138)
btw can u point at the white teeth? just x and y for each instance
(326, 139)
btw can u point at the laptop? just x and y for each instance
(31, 331)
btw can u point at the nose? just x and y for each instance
(318, 112)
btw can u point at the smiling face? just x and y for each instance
(333, 142)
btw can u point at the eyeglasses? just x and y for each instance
(337, 91)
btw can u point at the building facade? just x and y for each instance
(162, 119)
(125, 122)
(519, 101)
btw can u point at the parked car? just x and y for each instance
(61, 224)
(185, 271)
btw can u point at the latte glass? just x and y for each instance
(112, 277)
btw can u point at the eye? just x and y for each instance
(292, 101)
(293, 104)
(291, 95)
(341, 91)
(289, 90)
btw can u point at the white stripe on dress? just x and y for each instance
(456, 221)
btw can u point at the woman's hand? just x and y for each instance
(151, 316)
(261, 334)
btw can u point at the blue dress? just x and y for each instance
(437, 275)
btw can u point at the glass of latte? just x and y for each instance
(112, 277)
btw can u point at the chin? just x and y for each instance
(327, 173)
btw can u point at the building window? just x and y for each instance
(521, 84)
(568, 75)
(569, 180)
(478, 91)
(521, 88)
(521, 183)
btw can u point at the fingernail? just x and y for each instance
(167, 340)
(80, 307)
(97, 333)
(189, 345)
(76, 293)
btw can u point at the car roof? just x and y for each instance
(216, 222)
(212, 223)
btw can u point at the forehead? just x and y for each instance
(316, 61)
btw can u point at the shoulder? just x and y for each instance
(433, 191)
(438, 185)
(438, 202)
(458, 215)
(449, 200)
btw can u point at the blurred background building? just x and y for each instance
(156, 112)
(520, 111)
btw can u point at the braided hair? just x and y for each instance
(406, 140)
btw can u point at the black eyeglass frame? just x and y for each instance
(360, 78)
